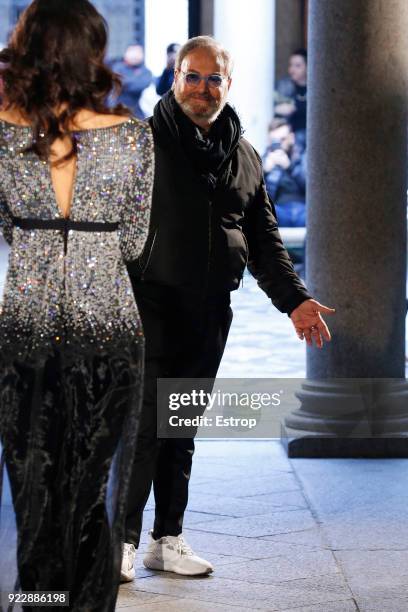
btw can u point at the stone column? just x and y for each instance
(356, 230)
(207, 17)
(165, 23)
(125, 27)
(247, 31)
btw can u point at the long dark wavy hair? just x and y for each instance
(54, 66)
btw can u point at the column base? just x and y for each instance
(346, 418)
(300, 445)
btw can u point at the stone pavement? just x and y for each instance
(304, 535)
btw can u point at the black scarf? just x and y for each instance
(208, 152)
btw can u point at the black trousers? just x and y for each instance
(185, 338)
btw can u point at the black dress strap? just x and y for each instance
(63, 224)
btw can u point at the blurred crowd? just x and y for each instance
(285, 157)
(284, 163)
(137, 79)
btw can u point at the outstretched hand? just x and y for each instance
(309, 324)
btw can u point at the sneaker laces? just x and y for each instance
(182, 547)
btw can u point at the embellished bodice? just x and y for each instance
(67, 283)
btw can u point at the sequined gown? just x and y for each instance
(71, 354)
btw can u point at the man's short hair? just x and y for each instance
(302, 52)
(278, 122)
(205, 42)
(172, 47)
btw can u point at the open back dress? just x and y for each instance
(71, 361)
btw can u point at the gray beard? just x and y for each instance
(210, 115)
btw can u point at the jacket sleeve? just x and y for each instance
(272, 180)
(298, 171)
(268, 260)
(135, 216)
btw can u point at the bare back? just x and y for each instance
(63, 176)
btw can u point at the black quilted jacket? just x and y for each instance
(203, 234)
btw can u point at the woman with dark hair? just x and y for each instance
(75, 191)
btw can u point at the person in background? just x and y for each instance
(291, 92)
(165, 81)
(135, 78)
(284, 164)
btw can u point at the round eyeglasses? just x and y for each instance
(193, 79)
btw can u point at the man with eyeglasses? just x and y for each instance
(211, 217)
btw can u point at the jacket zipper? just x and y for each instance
(149, 256)
(247, 257)
(209, 241)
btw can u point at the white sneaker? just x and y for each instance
(173, 554)
(127, 572)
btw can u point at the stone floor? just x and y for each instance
(304, 535)
(296, 535)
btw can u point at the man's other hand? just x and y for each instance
(309, 323)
